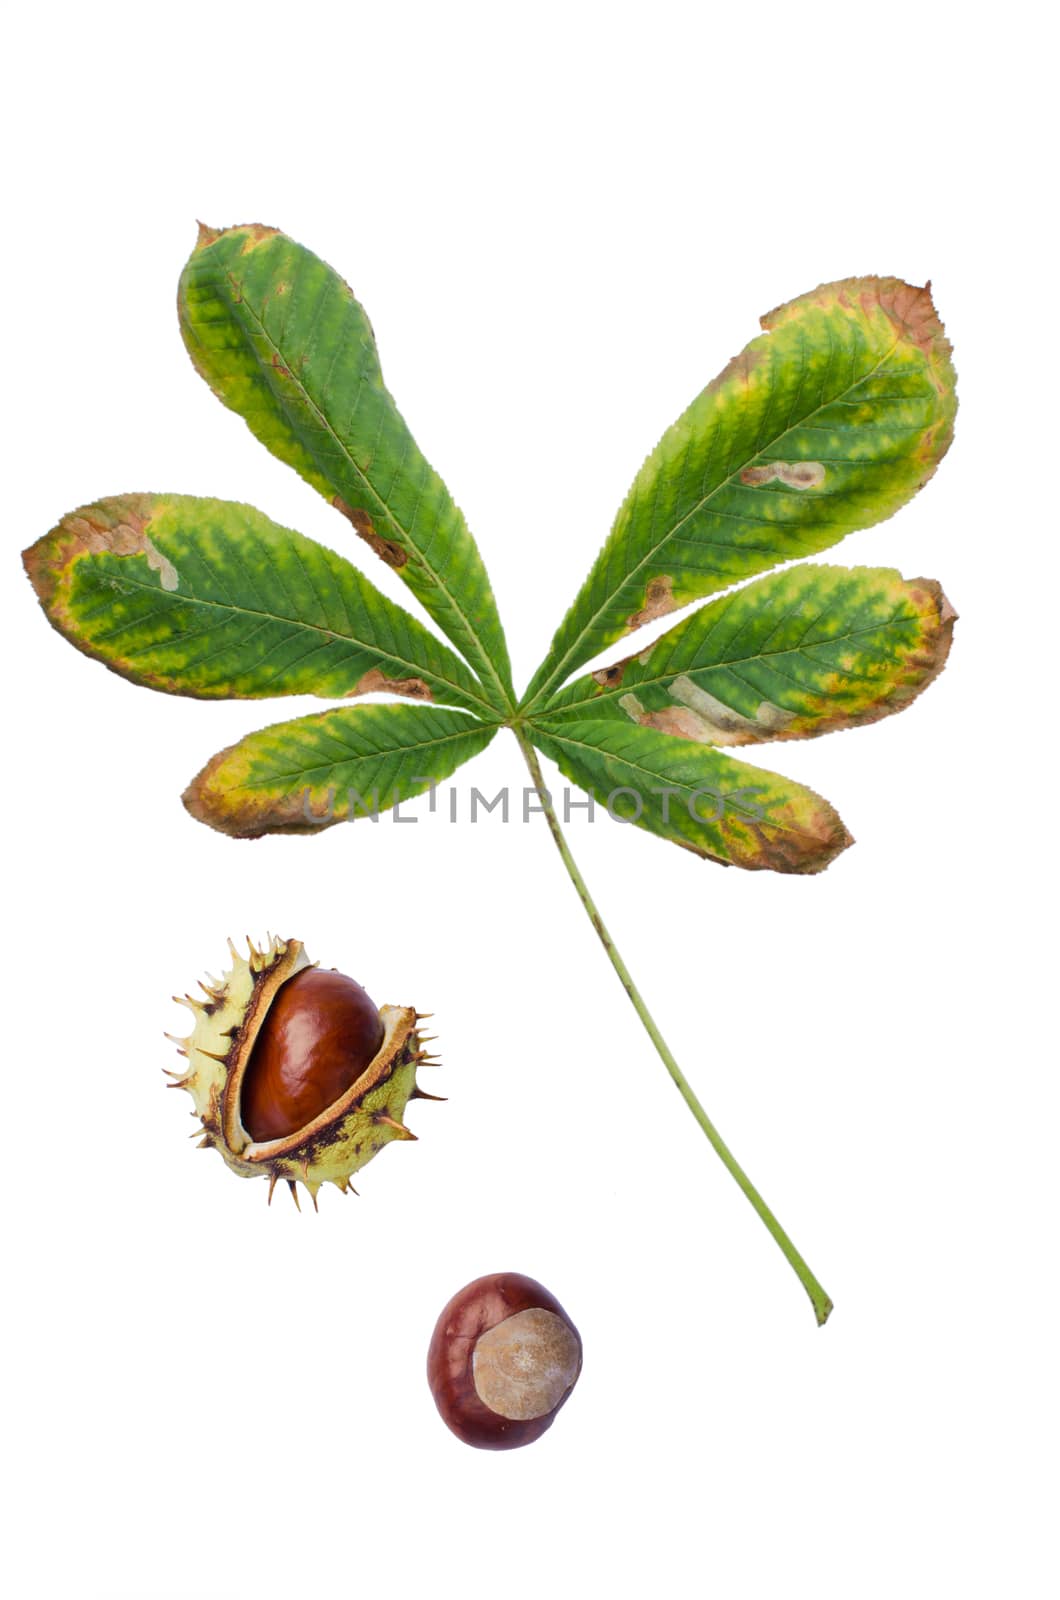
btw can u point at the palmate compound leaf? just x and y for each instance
(695, 796)
(827, 422)
(281, 340)
(334, 766)
(211, 599)
(793, 655)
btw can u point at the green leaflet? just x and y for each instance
(827, 422)
(688, 793)
(796, 654)
(211, 599)
(333, 766)
(280, 339)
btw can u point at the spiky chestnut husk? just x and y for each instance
(219, 1051)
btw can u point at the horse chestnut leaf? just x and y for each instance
(503, 1360)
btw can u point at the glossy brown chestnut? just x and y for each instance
(503, 1359)
(320, 1033)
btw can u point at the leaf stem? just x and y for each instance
(820, 1301)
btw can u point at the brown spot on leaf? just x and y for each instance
(658, 602)
(376, 682)
(256, 233)
(794, 474)
(217, 798)
(610, 677)
(388, 549)
(737, 370)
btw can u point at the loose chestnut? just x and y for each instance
(503, 1360)
(294, 1072)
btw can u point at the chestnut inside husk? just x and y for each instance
(294, 1072)
(320, 1033)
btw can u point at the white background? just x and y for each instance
(562, 220)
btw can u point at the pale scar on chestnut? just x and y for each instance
(524, 1366)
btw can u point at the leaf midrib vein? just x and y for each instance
(330, 635)
(471, 731)
(720, 666)
(635, 766)
(429, 567)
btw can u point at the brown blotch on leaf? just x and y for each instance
(376, 682)
(679, 722)
(658, 602)
(910, 308)
(919, 669)
(705, 720)
(388, 549)
(116, 527)
(939, 617)
(793, 474)
(791, 838)
(802, 850)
